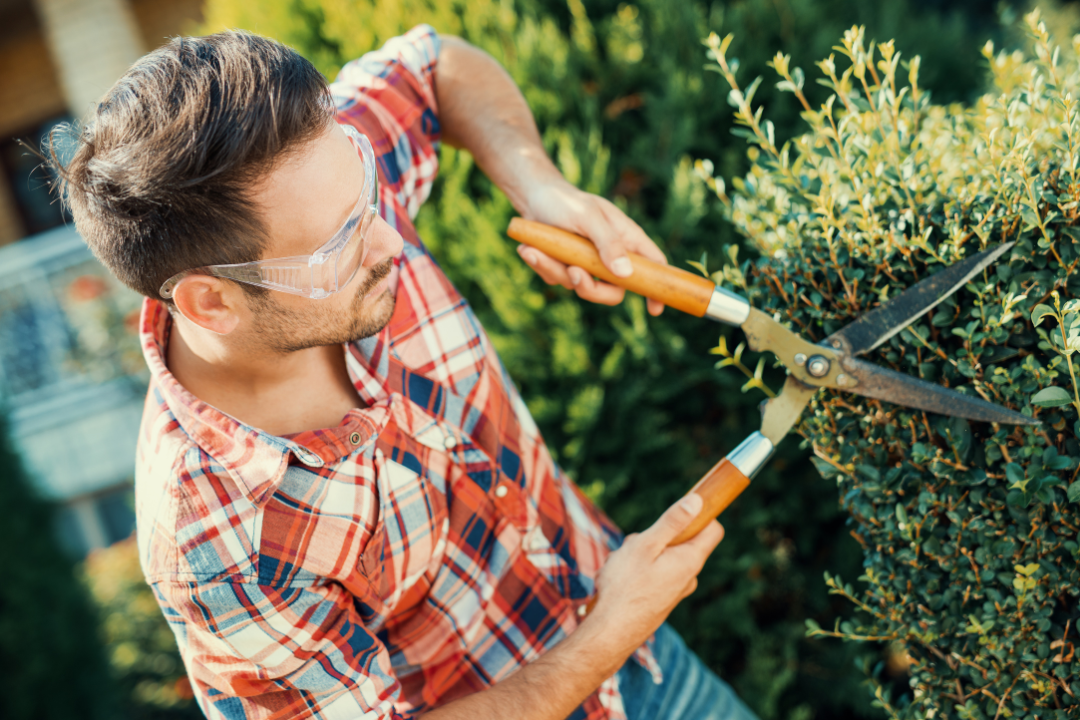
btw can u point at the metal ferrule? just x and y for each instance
(751, 454)
(727, 307)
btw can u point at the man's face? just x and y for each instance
(304, 201)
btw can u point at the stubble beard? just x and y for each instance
(285, 332)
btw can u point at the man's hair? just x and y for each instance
(160, 176)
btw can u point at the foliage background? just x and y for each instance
(632, 406)
(969, 530)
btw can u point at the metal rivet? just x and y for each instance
(800, 358)
(818, 366)
(841, 379)
(501, 491)
(355, 438)
(836, 344)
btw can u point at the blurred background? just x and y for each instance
(632, 406)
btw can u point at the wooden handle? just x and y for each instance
(677, 288)
(718, 489)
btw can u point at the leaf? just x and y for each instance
(699, 267)
(1040, 312)
(1074, 492)
(1051, 397)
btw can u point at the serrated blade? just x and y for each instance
(884, 384)
(881, 323)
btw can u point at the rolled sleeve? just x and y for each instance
(389, 95)
(260, 652)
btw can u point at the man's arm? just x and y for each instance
(482, 110)
(638, 587)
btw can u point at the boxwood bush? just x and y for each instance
(968, 530)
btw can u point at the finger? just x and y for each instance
(689, 589)
(631, 235)
(549, 269)
(589, 288)
(706, 541)
(598, 228)
(674, 520)
(636, 241)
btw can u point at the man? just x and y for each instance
(344, 508)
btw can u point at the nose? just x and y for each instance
(385, 242)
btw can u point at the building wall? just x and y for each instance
(72, 379)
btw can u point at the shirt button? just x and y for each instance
(501, 491)
(449, 442)
(535, 540)
(355, 438)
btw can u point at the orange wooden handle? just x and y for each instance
(718, 489)
(680, 289)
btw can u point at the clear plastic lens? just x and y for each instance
(325, 271)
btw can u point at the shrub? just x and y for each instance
(968, 530)
(51, 661)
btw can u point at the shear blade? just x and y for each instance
(880, 324)
(899, 389)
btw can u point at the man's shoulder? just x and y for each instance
(194, 521)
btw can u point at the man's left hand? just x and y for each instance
(561, 204)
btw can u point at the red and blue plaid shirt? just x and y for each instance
(422, 550)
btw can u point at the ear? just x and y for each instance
(209, 302)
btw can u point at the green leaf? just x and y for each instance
(1074, 492)
(1040, 312)
(1051, 397)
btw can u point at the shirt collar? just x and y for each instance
(255, 459)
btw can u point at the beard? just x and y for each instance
(288, 331)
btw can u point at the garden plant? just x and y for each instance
(969, 531)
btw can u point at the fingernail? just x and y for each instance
(622, 267)
(575, 276)
(691, 504)
(528, 256)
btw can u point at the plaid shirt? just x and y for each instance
(422, 550)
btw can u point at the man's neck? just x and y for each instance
(281, 394)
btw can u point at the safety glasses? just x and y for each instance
(324, 272)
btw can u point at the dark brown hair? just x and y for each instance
(160, 174)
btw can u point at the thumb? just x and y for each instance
(612, 253)
(674, 520)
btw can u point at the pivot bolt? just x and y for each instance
(818, 366)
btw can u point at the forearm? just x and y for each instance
(482, 110)
(549, 688)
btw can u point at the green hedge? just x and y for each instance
(968, 530)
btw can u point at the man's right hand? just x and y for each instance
(643, 581)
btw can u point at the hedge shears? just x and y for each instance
(833, 363)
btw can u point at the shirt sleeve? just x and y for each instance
(253, 651)
(389, 95)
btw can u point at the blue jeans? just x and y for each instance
(690, 690)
